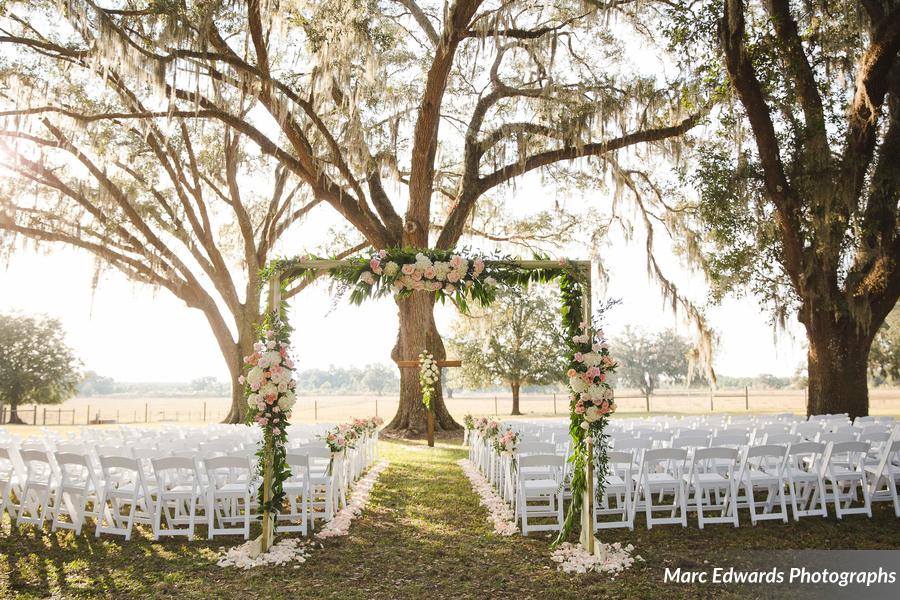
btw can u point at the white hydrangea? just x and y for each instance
(282, 376)
(441, 269)
(595, 392)
(270, 358)
(592, 414)
(287, 401)
(422, 262)
(391, 269)
(255, 376)
(268, 390)
(577, 384)
(592, 359)
(252, 399)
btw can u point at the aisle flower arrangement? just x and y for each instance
(499, 513)
(269, 388)
(429, 375)
(507, 442)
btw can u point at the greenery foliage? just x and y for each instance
(515, 342)
(647, 361)
(36, 365)
(884, 358)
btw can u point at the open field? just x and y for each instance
(184, 409)
(424, 535)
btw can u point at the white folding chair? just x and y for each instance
(297, 493)
(616, 496)
(123, 497)
(886, 473)
(177, 496)
(12, 480)
(661, 472)
(847, 472)
(77, 486)
(762, 468)
(711, 478)
(539, 491)
(228, 495)
(39, 491)
(804, 477)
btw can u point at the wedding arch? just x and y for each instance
(462, 279)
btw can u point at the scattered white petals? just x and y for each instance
(282, 552)
(356, 503)
(498, 511)
(296, 549)
(572, 558)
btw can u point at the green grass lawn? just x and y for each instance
(424, 535)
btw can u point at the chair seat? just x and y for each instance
(536, 485)
(707, 478)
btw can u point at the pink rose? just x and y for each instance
(453, 276)
(259, 346)
(429, 273)
(579, 357)
(579, 409)
(417, 275)
(456, 261)
(241, 380)
(407, 269)
(276, 431)
(449, 289)
(382, 253)
(270, 398)
(571, 373)
(375, 265)
(254, 386)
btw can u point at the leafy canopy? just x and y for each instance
(36, 365)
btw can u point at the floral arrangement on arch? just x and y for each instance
(429, 375)
(269, 388)
(590, 393)
(402, 271)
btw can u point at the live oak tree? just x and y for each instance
(392, 112)
(515, 342)
(98, 160)
(36, 365)
(884, 359)
(800, 185)
(647, 360)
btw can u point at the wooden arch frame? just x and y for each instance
(583, 267)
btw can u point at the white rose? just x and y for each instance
(287, 401)
(592, 414)
(255, 376)
(577, 384)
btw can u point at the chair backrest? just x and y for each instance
(37, 465)
(850, 454)
(681, 441)
(76, 469)
(530, 466)
(782, 439)
(658, 455)
(526, 448)
(839, 436)
(174, 471)
(113, 451)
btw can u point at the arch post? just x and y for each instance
(590, 544)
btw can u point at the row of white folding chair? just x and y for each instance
(806, 469)
(62, 488)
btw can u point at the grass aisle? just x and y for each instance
(424, 535)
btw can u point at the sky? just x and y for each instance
(133, 333)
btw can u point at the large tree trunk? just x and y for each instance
(235, 359)
(515, 395)
(418, 332)
(837, 363)
(14, 418)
